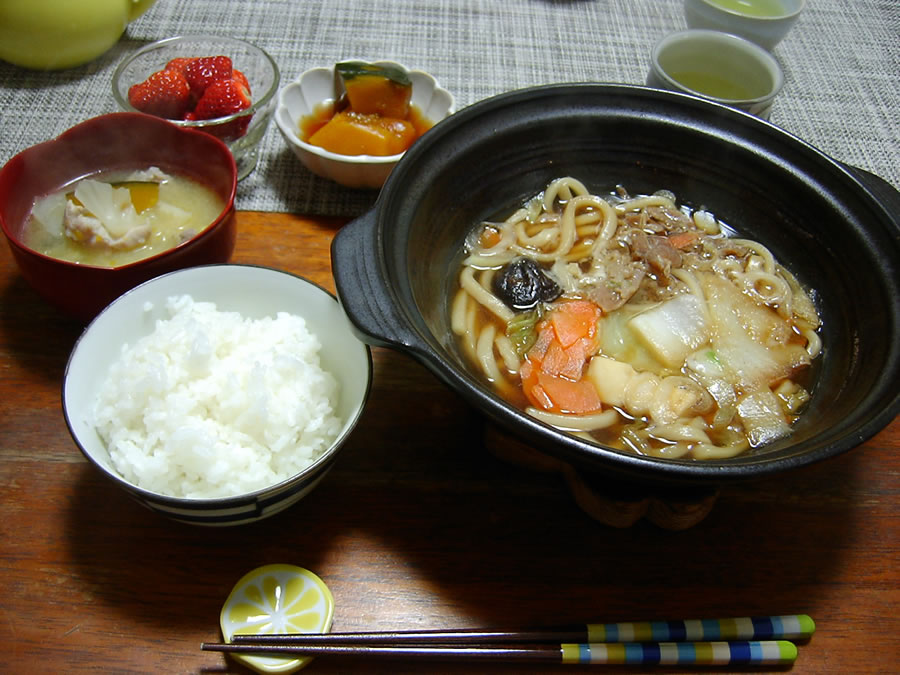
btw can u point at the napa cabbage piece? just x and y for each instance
(763, 417)
(705, 367)
(50, 211)
(753, 350)
(617, 342)
(672, 330)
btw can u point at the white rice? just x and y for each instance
(212, 404)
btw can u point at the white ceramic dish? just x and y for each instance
(255, 292)
(317, 86)
(766, 29)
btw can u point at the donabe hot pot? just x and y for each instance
(834, 226)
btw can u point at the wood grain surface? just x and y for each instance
(417, 526)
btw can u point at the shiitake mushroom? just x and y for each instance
(522, 284)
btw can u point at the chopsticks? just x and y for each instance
(787, 627)
(744, 652)
(745, 640)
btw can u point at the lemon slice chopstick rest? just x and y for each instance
(276, 599)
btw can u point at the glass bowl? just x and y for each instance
(260, 69)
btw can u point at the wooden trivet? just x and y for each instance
(603, 498)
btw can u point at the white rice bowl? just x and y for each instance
(212, 404)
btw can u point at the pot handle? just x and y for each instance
(885, 193)
(362, 288)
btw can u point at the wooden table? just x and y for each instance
(417, 526)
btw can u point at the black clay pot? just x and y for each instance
(836, 227)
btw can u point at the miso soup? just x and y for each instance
(113, 219)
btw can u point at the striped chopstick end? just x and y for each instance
(746, 652)
(785, 627)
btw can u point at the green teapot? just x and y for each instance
(55, 34)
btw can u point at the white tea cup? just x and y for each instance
(764, 22)
(719, 67)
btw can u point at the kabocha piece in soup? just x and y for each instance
(373, 117)
(636, 323)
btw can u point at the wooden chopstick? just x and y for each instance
(462, 636)
(785, 627)
(545, 653)
(741, 652)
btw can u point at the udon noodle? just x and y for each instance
(636, 323)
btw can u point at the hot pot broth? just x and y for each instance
(636, 322)
(116, 218)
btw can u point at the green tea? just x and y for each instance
(710, 84)
(761, 8)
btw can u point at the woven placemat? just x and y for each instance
(841, 61)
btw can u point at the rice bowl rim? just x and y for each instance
(311, 473)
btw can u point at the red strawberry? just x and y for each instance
(242, 79)
(203, 71)
(165, 93)
(179, 63)
(223, 98)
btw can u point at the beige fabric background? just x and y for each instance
(841, 61)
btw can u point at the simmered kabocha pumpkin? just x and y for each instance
(376, 89)
(374, 116)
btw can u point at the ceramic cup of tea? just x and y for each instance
(764, 22)
(719, 67)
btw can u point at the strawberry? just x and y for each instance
(204, 70)
(179, 63)
(165, 93)
(242, 79)
(222, 98)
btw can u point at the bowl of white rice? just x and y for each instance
(217, 395)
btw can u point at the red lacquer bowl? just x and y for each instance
(114, 142)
